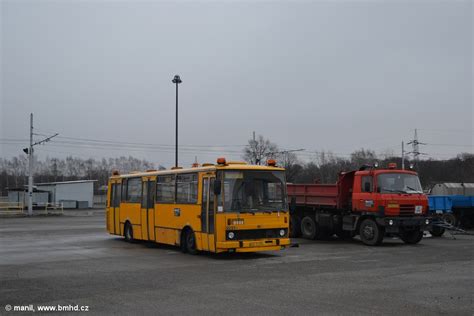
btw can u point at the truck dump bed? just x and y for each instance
(313, 194)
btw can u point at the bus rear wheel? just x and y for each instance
(128, 232)
(370, 233)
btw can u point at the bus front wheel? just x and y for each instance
(190, 242)
(128, 232)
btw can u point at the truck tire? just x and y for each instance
(450, 219)
(309, 228)
(370, 233)
(411, 237)
(295, 226)
(437, 231)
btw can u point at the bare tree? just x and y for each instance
(259, 150)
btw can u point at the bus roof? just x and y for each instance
(228, 166)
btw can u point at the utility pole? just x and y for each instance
(403, 156)
(176, 80)
(29, 151)
(30, 169)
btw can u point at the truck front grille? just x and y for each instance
(407, 210)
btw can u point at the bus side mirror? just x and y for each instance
(217, 187)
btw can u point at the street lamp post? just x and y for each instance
(176, 80)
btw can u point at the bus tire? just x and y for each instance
(411, 237)
(128, 232)
(309, 228)
(295, 226)
(370, 233)
(190, 242)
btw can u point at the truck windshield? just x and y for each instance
(398, 183)
(251, 191)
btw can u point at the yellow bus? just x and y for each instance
(223, 207)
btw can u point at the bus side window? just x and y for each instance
(124, 190)
(187, 188)
(134, 190)
(116, 197)
(151, 194)
(165, 189)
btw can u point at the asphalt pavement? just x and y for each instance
(71, 260)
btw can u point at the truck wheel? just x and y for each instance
(295, 226)
(411, 237)
(437, 231)
(128, 232)
(450, 219)
(309, 228)
(370, 233)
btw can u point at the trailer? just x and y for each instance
(452, 203)
(369, 202)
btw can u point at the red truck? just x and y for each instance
(369, 202)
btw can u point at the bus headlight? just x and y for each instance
(230, 235)
(390, 222)
(282, 232)
(427, 221)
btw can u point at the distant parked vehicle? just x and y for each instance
(453, 203)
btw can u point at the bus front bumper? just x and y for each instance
(254, 245)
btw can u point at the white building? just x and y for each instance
(73, 194)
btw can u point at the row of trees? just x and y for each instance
(323, 167)
(14, 172)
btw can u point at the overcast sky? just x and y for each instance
(318, 75)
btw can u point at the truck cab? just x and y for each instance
(391, 199)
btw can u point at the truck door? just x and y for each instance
(208, 213)
(363, 196)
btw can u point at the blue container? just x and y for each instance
(440, 204)
(461, 201)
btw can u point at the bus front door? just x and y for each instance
(208, 214)
(147, 209)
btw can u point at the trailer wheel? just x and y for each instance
(411, 237)
(450, 219)
(309, 228)
(295, 226)
(370, 233)
(437, 231)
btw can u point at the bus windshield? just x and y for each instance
(247, 191)
(398, 183)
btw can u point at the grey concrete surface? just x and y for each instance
(72, 260)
